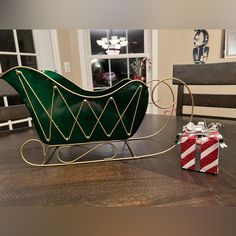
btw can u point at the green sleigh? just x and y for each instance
(65, 115)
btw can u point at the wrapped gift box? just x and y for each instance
(200, 148)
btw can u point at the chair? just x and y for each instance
(205, 74)
(13, 113)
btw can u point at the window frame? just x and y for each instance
(86, 56)
(41, 50)
(150, 51)
(17, 52)
(41, 42)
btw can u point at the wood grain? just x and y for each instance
(205, 74)
(157, 181)
(13, 113)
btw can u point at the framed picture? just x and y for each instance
(230, 44)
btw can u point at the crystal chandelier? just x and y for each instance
(112, 45)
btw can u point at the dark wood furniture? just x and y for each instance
(157, 181)
(11, 107)
(205, 74)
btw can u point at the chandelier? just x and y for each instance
(112, 45)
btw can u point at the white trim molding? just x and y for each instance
(84, 60)
(56, 51)
(154, 75)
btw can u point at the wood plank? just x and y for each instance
(211, 100)
(13, 113)
(7, 132)
(6, 89)
(216, 118)
(179, 107)
(206, 74)
(12, 100)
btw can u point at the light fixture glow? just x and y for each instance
(112, 45)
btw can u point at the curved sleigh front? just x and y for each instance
(63, 113)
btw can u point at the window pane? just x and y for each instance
(136, 41)
(94, 36)
(100, 70)
(25, 40)
(118, 70)
(7, 43)
(138, 68)
(7, 62)
(29, 61)
(104, 36)
(119, 33)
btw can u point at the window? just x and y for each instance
(107, 67)
(17, 48)
(31, 48)
(136, 60)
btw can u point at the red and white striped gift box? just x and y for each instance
(209, 156)
(188, 146)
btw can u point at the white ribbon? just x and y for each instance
(202, 129)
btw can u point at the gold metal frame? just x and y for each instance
(80, 159)
(75, 117)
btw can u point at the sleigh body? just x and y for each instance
(63, 113)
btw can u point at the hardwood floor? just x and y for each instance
(157, 181)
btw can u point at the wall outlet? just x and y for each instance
(67, 68)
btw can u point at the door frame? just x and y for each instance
(54, 48)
